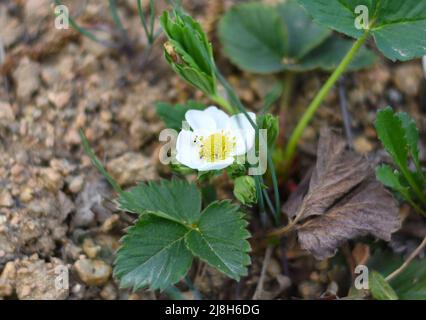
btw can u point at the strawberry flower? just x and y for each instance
(216, 138)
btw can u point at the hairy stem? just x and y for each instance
(319, 98)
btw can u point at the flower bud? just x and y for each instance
(245, 190)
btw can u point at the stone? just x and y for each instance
(38, 280)
(27, 79)
(6, 113)
(407, 78)
(6, 199)
(51, 178)
(93, 272)
(109, 292)
(59, 99)
(132, 168)
(76, 184)
(90, 248)
(362, 145)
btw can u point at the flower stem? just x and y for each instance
(223, 103)
(319, 98)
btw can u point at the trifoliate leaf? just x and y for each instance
(266, 39)
(176, 200)
(380, 289)
(174, 115)
(398, 27)
(254, 37)
(392, 134)
(220, 239)
(153, 254)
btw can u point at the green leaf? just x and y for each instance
(380, 289)
(412, 136)
(220, 239)
(303, 33)
(398, 27)
(254, 37)
(392, 179)
(153, 254)
(173, 116)
(392, 134)
(176, 200)
(410, 284)
(330, 53)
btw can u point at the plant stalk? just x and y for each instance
(319, 98)
(223, 103)
(407, 262)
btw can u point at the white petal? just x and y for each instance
(243, 131)
(221, 119)
(200, 120)
(187, 150)
(219, 165)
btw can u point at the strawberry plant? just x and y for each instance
(339, 199)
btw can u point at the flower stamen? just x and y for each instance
(217, 146)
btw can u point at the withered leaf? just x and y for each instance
(336, 172)
(342, 200)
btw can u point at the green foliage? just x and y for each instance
(410, 284)
(220, 239)
(400, 137)
(171, 223)
(380, 289)
(245, 190)
(171, 229)
(188, 51)
(265, 39)
(173, 116)
(254, 37)
(236, 170)
(271, 124)
(397, 26)
(153, 253)
(330, 53)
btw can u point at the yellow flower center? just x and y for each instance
(216, 147)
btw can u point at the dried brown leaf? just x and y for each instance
(337, 171)
(343, 201)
